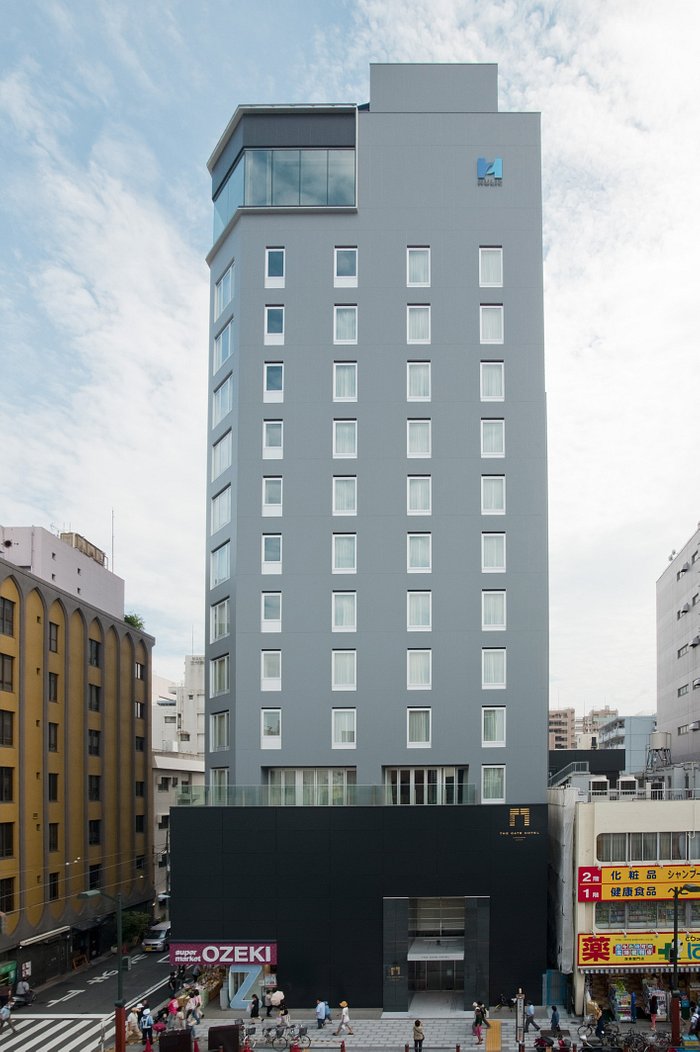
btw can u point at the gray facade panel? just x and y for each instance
(417, 186)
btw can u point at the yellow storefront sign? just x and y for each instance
(646, 882)
(644, 947)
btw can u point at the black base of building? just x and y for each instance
(333, 887)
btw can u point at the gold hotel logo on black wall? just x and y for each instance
(519, 824)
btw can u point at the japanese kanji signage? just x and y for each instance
(644, 881)
(644, 947)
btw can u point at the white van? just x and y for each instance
(157, 938)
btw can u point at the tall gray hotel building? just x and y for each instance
(376, 546)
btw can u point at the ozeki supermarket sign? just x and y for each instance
(225, 953)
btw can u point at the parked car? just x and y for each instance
(157, 938)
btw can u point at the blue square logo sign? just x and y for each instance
(489, 173)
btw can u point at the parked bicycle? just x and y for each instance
(610, 1031)
(657, 1041)
(277, 1037)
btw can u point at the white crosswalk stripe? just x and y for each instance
(55, 1033)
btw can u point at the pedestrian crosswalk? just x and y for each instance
(57, 1033)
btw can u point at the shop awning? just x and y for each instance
(636, 968)
(46, 936)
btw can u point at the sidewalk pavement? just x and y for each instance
(371, 1032)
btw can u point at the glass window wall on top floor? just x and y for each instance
(287, 179)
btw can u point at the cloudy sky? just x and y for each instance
(108, 112)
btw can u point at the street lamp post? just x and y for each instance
(679, 890)
(119, 1004)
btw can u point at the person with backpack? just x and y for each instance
(146, 1024)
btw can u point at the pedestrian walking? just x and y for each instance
(6, 1016)
(344, 1023)
(530, 1016)
(254, 1007)
(268, 1004)
(320, 1014)
(653, 1010)
(172, 982)
(133, 1032)
(485, 1013)
(478, 1024)
(146, 1024)
(173, 1009)
(418, 1036)
(329, 1017)
(554, 1023)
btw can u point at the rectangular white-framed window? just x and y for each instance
(343, 728)
(223, 291)
(344, 553)
(344, 438)
(492, 381)
(344, 611)
(418, 381)
(274, 323)
(273, 382)
(223, 346)
(273, 440)
(270, 611)
(218, 675)
(274, 268)
(418, 438)
(344, 670)
(419, 611)
(345, 323)
(345, 495)
(417, 266)
(270, 728)
(491, 323)
(221, 509)
(271, 553)
(218, 731)
(493, 438)
(490, 266)
(270, 670)
(418, 495)
(220, 565)
(344, 381)
(419, 669)
(418, 728)
(218, 785)
(419, 552)
(493, 611)
(418, 323)
(222, 401)
(345, 267)
(493, 668)
(493, 726)
(221, 453)
(493, 494)
(272, 496)
(493, 784)
(493, 553)
(219, 620)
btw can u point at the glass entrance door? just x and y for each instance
(435, 975)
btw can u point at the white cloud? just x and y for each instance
(104, 302)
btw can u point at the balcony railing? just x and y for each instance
(323, 796)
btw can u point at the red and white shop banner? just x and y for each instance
(224, 953)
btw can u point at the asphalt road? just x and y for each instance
(76, 1013)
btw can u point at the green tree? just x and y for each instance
(135, 620)
(134, 924)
